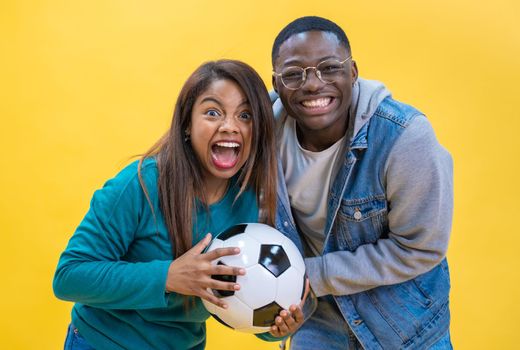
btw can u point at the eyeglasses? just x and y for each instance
(327, 71)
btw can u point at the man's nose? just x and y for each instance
(312, 80)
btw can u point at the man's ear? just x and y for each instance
(354, 71)
(273, 80)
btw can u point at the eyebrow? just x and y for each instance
(212, 99)
(296, 62)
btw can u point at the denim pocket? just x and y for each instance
(404, 308)
(435, 283)
(414, 307)
(411, 297)
(361, 221)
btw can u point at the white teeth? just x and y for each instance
(320, 102)
(228, 144)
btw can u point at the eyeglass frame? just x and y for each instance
(304, 78)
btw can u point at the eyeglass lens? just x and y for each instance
(327, 71)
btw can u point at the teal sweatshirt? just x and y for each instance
(115, 266)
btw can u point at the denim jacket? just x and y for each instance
(388, 224)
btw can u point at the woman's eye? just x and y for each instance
(213, 113)
(246, 116)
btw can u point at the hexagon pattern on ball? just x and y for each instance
(257, 296)
(274, 280)
(242, 318)
(249, 253)
(285, 285)
(266, 234)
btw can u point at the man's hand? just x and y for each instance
(288, 322)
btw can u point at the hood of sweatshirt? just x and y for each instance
(366, 97)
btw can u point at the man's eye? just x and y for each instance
(330, 68)
(292, 74)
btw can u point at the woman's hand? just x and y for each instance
(288, 322)
(190, 274)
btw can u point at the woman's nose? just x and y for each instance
(229, 124)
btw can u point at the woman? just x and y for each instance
(136, 260)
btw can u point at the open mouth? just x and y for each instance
(317, 103)
(318, 106)
(225, 154)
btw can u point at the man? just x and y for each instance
(366, 191)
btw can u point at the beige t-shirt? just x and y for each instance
(308, 176)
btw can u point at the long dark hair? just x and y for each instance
(180, 180)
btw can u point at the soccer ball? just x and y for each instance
(274, 279)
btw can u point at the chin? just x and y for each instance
(225, 174)
(317, 123)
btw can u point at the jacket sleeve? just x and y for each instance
(92, 270)
(419, 189)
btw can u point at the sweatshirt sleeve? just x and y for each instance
(92, 270)
(419, 189)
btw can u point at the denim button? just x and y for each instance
(357, 322)
(285, 223)
(357, 214)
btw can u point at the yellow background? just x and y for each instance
(84, 85)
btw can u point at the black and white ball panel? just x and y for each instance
(274, 259)
(225, 278)
(274, 279)
(232, 231)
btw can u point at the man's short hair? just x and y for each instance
(306, 24)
